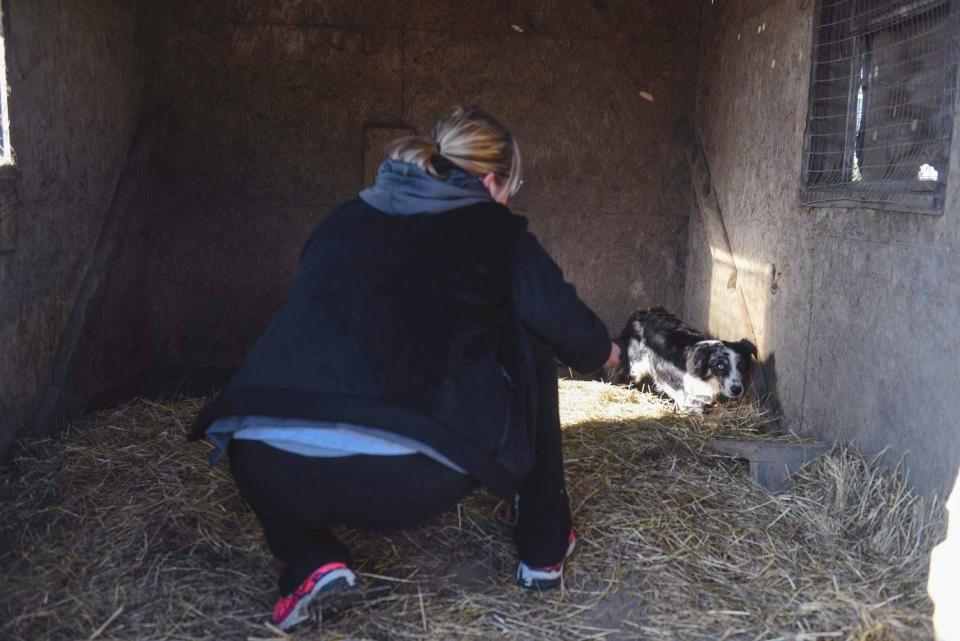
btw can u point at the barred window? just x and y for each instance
(882, 100)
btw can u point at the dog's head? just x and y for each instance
(725, 365)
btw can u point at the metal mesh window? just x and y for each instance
(882, 100)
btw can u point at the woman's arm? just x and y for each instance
(549, 306)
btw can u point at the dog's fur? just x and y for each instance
(689, 367)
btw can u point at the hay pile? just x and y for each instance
(119, 529)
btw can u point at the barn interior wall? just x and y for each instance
(856, 310)
(74, 102)
(265, 106)
(260, 112)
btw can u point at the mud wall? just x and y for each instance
(73, 103)
(266, 105)
(856, 310)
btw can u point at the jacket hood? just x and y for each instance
(403, 189)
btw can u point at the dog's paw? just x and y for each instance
(692, 407)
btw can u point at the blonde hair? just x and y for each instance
(467, 138)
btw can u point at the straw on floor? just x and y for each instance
(119, 529)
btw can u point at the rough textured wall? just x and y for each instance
(74, 98)
(267, 104)
(857, 309)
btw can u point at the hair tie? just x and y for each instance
(441, 163)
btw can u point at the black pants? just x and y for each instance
(298, 498)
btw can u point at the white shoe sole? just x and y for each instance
(334, 580)
(532, 578)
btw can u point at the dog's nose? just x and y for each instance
(736, 389)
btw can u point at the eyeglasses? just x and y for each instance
(517, 189)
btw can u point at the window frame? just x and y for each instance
(6, 145)
(914, 196)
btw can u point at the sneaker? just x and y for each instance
(330, 578)
(545, 578)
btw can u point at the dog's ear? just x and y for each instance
(745, 348)
(701, 361)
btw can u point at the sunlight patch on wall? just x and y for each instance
(739, 292)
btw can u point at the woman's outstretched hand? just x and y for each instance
(614, 358)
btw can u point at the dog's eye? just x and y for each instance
(721, 367)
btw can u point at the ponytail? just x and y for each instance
(467, 138)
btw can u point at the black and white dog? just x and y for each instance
(692, 369)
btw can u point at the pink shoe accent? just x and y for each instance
(289, 605)
(545, 576)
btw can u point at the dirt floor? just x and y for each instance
(119, 529)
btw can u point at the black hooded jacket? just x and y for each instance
(420, 325)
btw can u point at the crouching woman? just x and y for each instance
(413, 362)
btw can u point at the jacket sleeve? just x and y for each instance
(549, 307)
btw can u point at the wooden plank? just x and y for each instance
(52, 402)
(771, 463)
